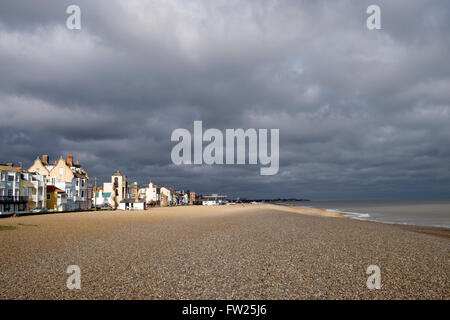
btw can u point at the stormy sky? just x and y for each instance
(362, 114)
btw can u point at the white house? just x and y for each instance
(39, 192)
(149, 193)
(132, 204)
(152, 194)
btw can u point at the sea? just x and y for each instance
(435, 213)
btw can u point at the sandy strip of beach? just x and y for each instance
(260, 251)
(310, 211)
(436, 231)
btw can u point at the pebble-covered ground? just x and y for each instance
(227, 252)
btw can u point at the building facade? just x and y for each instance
(166, 196)
(20, 190)
(150, 193)
(103, 199)
(214, 199)
(11, 199)
(191, 197)
(68, 176)
(118, 187)
(39, 191)
(56, 199)
(132, 204)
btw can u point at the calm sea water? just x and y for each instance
(414, 212)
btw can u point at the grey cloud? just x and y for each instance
(361, 113)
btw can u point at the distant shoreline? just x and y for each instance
(430, 230)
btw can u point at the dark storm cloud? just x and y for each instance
(361, 113)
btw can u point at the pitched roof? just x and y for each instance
(52, 188)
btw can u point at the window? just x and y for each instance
(76, 182)
(61, 171)
(48, 196)
(82, 183)
(10, 178)
(10, 192)
(37, 170)
(82, 193)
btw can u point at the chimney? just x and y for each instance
(70, 160)
(45, 159)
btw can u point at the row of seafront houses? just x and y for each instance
(63, 185)
(120, 194)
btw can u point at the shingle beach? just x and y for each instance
(227, 252)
